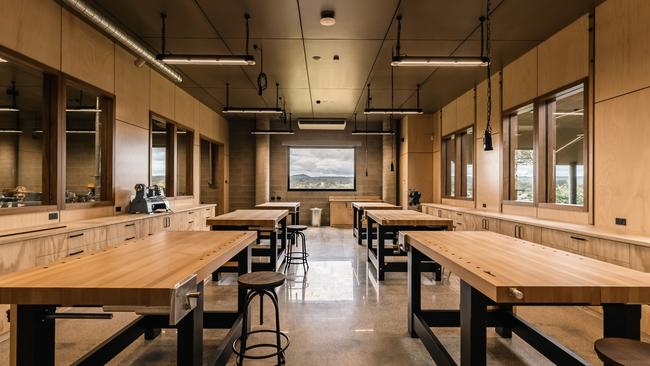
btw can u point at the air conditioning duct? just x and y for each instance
(331, 124)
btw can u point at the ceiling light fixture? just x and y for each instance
(322, 124)
(288, 131)
(11, 131)
(83, 110)
(218, 60)
(107, 26)
(327, 18)
(436, 61)
(3, 60)
(251, 110)
(366, 132)
(416, 110)
(9, 109)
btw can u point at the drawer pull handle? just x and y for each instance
(76, 235)
(578, 238)
(517, 294)
(75, 253)
(131, 224)
(190, 222)
(130, 238)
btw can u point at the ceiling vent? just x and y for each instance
(322, 124)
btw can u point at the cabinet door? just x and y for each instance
(530, 233)
(607, 251)
(565, 241)
(508, 228)
(179, 221)
(339, 215)
(459, 221)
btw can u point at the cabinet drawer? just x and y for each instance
(520, 231)
(82, 241)
(640, 258)
(608, 251)
(119, 233)
(566, 241)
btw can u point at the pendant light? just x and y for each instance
(435, 61)
(252, 110)
(366, 145)
(261, 78)
(218, 60)
(487, 135)
(392, 111)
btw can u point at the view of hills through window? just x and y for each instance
(321, 168)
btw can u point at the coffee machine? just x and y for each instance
(148, 200)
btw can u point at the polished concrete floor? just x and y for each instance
(337, 314)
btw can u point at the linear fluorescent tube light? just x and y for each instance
(235, 110)
(225, 60)
(83, 110)
(9, 109)
(373, 133)
(80, 132)
(3, 60)
(272, 132)
(393, 111)
(440, 61)
(11, 131)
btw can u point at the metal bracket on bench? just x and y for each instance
(183, 300)
(401, 241)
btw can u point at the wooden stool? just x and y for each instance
(259, 284)
(298, 256)
(622, 352)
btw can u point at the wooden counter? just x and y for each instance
(293, 207)
(358, 216)
(341, 212)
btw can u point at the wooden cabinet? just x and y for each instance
(82, 241)
(520, 231)
(119, 233)
(158, 223)
(341, 214)
(565, 241)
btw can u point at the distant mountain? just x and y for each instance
(304, 181)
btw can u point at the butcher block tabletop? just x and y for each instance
(284, 205)
(406, 218)
(510, 270)
(140, 272)
(375, 205)
(259, 217)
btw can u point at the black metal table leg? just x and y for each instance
(243, 267)
(380, 252)
(355, 227)
(623, 321)
(296, 216)
(189, 338)
(473, 323)
(369, 236)
(505, 331)
(283, 237)
(35, 335)
(415, 259)
(273, 247)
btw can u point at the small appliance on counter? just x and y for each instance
(148, 200)
(414, 199)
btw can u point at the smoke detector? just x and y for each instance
(327, 18)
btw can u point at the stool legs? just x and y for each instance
(298, 256)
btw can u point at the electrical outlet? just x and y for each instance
(621, 221)
(118, 209)
(484, 205)
(53, 216)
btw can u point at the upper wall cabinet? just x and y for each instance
(449, 117)
(131, 90)
(622, 47)
(86, 54)
(162, 95)
(520, 80)
(33, 28)
(465, 110)
(564, 58)
(481, 106)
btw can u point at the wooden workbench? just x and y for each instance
(497, 272)
(389, 223)
(265, 222)
(358, 213)
(160, 276)
(293, 207)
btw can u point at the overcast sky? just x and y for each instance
(321, 162)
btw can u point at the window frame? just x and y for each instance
(457, 136)
(171, 163)
(354, 164)
(107, 140)
(508, 161)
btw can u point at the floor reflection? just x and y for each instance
(325, 281)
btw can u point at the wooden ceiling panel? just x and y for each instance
(349, 72)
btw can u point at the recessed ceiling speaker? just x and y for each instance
(327, 18)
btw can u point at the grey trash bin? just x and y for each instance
(315, 216)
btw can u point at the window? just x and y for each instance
(87, 141)
(172, 150)
(521, 154)
(322, 169)
(546, 150)
(458, 160)
(209, 172)
(566, 147)
(25, 124)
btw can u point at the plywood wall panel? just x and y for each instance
(520, 80)
(437, 193)
(621, 176)
(184, 108)
(437, 136)
(162, 95)
(131, 160)
(420, 133)
(449, 118)
(488, 175)
(481, 106)
(32, 28)
(564, 58)
(86, 54)
(465, 110)
(622, 47)
(420, 175)
(131, 89)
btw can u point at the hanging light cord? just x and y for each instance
(488, 127)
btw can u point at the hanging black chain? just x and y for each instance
(489, 79)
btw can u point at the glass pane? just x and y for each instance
(209, 165)
(321, 168)
(567, 133)
(467, 155)
(159, 152)
(522, 153)
(184, 161)
(21, 136)
(449, 146)
(86, 113)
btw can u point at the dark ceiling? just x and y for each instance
(363, 37)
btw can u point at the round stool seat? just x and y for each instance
(296, 227)
(261, 280)
(622, 351)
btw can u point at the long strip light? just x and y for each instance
(111, 29)
(254, 110)
(373, 133)
(400, 111)
(83, 110)
(272, 132)
(9, 109)
(3, 60)
(11, 131)
(440, 61)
